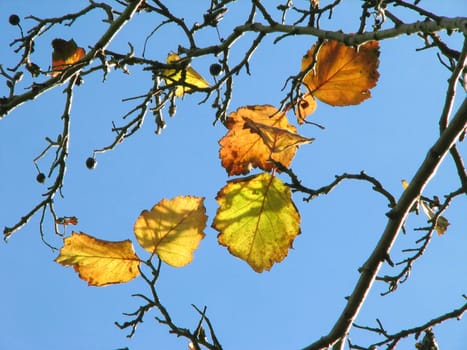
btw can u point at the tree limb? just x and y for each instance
(392, 339)
(397, 217)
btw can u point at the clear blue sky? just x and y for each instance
(46, 306)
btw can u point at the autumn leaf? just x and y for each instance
(241, 150)
(257, 220)
(305, 107)
(187, 79)
(172, 229)
(341, 75)
(65, 54)
(441, 223)
(276, 139)
(97, 261)
(67, 220)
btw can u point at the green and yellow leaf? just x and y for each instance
(187, 78)
(257, 220)
(172, 229)
(99, 262)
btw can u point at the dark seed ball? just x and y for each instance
(215, 69)
(14, 20)
(91, 163)
(40, 178)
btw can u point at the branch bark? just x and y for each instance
(429, 26)
(392, 339)
(450, 24)
(397, 217)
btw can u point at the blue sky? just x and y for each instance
(44, 305)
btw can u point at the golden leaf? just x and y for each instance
(341, 75)
(97, 261)
(172, 229)
(257, 220)
(242, 150)
(187, 78)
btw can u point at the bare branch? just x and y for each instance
(297, 186)
(451, 24)
(59, 162)
(397, 217)
(391, 340)
(153, 301)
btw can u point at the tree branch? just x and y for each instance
(397, 217)
(17, 100)
(392, 339)
(450, 24)
(153, 301)
(450, 94)
(59, 164)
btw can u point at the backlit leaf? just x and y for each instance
(97, 261)
(405, 184)
(187, 79)
(172, 229)
(257, 220)
(341, 75)
(441, 223)
(276, 139)
(65, 54)
(242, 150)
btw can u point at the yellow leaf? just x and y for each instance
(405, 184)
(257, 220)
(186, 78)
(342, 75)
(172, 229)
(276, 139)
(242, 150)
(97, 261)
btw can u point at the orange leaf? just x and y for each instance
(65, 54)
(242, 150)
(342, 75)
(276, 139)
(172, 229)
(97, 261)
